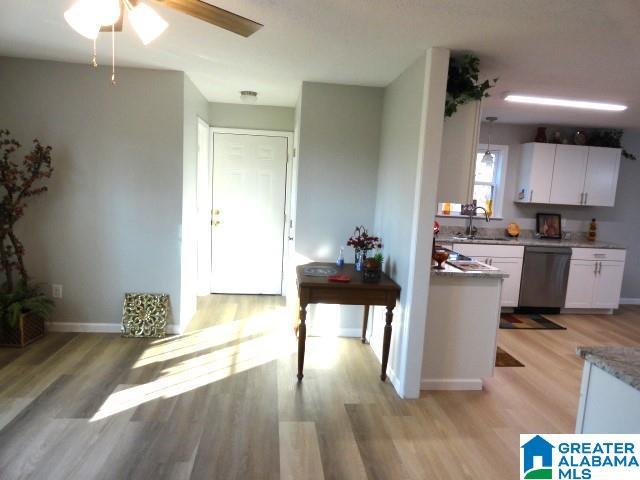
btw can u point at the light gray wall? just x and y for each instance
(619, 224)
(195, 106)
(410, 147)
(338, 152)
(110, 223)
(253, 117)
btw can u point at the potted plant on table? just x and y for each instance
(23, 307)
(363, 243)
(372, 268)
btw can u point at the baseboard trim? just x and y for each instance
(449, 384)
(95, 327)
(630, 301)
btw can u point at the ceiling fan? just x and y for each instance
(90, 17)
(85, 16)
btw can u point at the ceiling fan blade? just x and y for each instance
(214, 15)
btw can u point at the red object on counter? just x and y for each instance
(339, 278)
(436, 228)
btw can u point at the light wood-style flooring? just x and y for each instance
(222, 402)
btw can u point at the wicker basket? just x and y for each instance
(29, 329)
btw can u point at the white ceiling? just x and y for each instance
(583, 49)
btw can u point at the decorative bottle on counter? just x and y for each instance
(591, 236)
(340, 259)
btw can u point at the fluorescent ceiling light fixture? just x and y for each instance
(561, 102)
(147, 23)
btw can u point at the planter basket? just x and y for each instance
(29, 328)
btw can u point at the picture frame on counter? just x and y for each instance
(549, 225)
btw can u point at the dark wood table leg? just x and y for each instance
(386, 343)
(302, 337)
(365, 321)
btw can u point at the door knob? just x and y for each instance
(215, 223)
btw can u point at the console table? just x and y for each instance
(313, 289)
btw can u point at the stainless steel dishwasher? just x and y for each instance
(545, 272)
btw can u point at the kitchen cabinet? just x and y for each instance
(569, 169)
(595, 278)
(507, 258)
(568, 174)
(601, 179)
(458, 158)
(536, 172)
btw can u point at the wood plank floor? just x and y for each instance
(222, 402)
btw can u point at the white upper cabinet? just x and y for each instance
(568, 174)
(536, 172)
(458, 158)
(570, 166)
(601, 180)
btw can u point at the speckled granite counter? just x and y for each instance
(621, 362)
(451, 271)
(538, 242)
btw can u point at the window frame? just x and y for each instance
(499, 178)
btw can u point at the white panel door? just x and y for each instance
(542, 160)
(602, 176)
(606, 293)
(569, 172)
(249, 185)
(581, 283)
(510, 285)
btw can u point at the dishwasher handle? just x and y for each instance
(548, 250)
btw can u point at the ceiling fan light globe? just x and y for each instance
(147, 23)
(107, 11)
(81, 17)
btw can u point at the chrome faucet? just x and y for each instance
(472, 209)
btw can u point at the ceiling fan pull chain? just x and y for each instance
(113, 55)
(94, 60)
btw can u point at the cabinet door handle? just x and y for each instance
(582, 198)
(531, 195)
(586, 197)
(595, 268)
(599, 268)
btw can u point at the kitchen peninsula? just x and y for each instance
(462, 326)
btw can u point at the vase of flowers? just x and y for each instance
(362, 243)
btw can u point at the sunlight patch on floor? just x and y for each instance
(236, 347)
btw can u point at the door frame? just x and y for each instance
(289, 220)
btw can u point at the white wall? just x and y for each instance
(195, 106)
(254, 117)
(337, 176)
(110, 223)
(619, 224)
(412, 125)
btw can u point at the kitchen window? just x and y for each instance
(488, 188)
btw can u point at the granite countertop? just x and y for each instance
(538, 242)
(451, 271)
(621, 362)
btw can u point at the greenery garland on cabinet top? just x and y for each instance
(611, 138)
(462, 83)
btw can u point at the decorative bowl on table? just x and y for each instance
(440, 256)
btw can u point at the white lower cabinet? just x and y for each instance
(506, 258)
(595, 283)
(581, 283)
